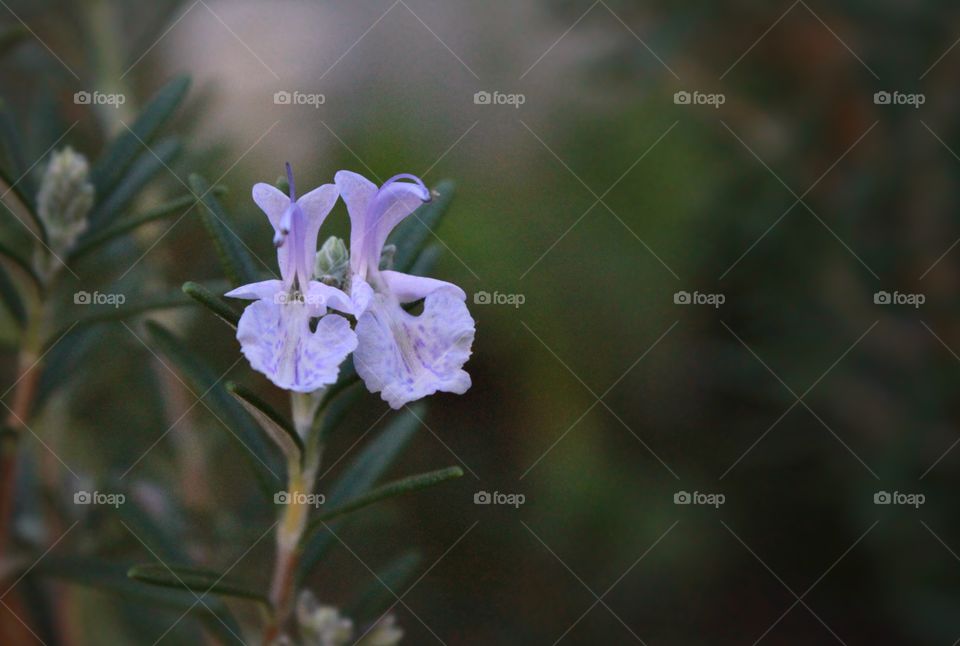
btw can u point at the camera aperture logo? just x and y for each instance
(899, 298)
(699, 498)
(899, 98)
(98, 298)
(283, 97)
(98, 498)
(496, 298)
(299, 498)
(696, 97)
(99, 98)
(699, 298)
(897, 498)
(499, 98)
(496, 498)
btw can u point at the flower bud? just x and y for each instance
(332, 262)
(65, 198)
(322, 624)
(384, 633)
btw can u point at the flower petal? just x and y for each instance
(277, 341)
(406, 357)
(255, 291)
(271, 201)
(278, 208)
(408, 288)
(322, 296)
(395, 201)
(374, 212)
(357, 193)
(361, 293)
(315, 207)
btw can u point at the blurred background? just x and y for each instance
(710, 249)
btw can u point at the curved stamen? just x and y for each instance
(414, 178)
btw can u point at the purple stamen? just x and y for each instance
(293, 192)
(415, 179)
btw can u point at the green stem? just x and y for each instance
(301, 480)
(28, 375)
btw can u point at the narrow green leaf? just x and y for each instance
(426, 262)
(212, 302)
(376, 598)
(334, 409)
(112, 578)
(272, 423)
(389, 490)
(22, 263)
(236, 261)
(140, 305)
(313, 550)
(63, 357)
(45, 122)
(11, 298)
(13, 146)
(134, 304)
(128, 145)
(117, 228)
(362, 473)
(156, 531)
(194, 579)
(261, 455)
(376, 457)
(144, 169)
(411, 235)
(11, 36)
(347, 377)
(10, 187)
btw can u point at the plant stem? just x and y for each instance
(301, 480)
(25, 389)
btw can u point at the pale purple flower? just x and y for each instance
(275, 331)
(400, 355)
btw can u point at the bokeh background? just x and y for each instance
(599, 397)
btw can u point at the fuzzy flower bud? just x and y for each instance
(321, 625)
(65, 198)
(384, 633)
(332, 262)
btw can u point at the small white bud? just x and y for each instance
(384, 633)
(332, 262)
(65, 198)
(322, 625)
